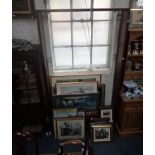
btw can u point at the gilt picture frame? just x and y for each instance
(70, 128)
(73, 78)
(101, 132)
(64, 112)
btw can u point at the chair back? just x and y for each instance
(79, 143)
(20, 139)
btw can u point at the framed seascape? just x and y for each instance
(76, 88)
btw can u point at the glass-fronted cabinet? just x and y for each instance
(25, 83)
(27, 87)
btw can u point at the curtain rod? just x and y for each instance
(79, 10)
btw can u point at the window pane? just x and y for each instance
(81, 33)
(60, 4)
(63, 57)
(81, 15)
(101, 32)
(81, 56)
(105, 15)
(61, 31)
(102, 3)
(81, 4)
(99, 55)
(59, 16)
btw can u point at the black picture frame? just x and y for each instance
(22, 7)
(84, 102)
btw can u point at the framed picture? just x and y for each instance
(76, 87)
(101, 132)
(92, 114)
(77, 78)
(65, 112)
(22, 6)
(136, 17)
(106, 114)
(81, 113)
(84, 102)
(72, 128)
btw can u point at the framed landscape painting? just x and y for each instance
(77, 78)
(65, 112)
(71, 128)
(76, 87)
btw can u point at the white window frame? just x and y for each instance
(94, 69)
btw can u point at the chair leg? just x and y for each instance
(36, 146)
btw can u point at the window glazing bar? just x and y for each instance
(84, 20)
(71, 6)
(91, 18)
(80, 10)
(66, 46)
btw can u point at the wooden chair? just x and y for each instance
(80, 143)
(20, 140)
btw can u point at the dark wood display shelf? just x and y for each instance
(135, 30)
(129, 112)
(133, 75)
(135, 55)
(125, 99)
(135, 33)
(130, 116)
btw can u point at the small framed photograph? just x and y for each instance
(76, 87)
(72, 128)
(101, 132)
(106, 114)
(65, 112)
(92, 114)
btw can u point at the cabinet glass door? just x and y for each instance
(25, 83)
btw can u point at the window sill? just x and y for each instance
(82, 72)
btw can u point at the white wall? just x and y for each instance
(25, 29)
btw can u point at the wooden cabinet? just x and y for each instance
(27, 87)
(129, 109)
(130, 116)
